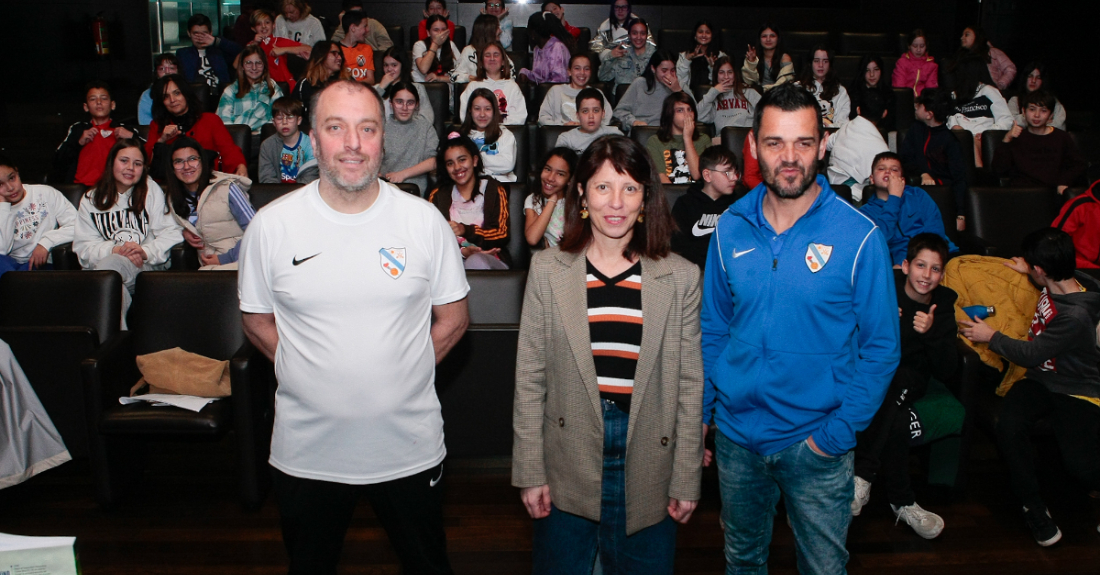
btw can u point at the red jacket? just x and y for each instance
(1080, 218)
(210, 133)
(276, 65)
(751, 177)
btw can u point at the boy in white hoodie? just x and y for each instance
(33, 220)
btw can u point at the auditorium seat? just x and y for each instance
(520, 40)
(735, 42)
(523, 135)
(583, 39)
(62, 255)
(242, 136)
(991, 140)
(263, 194)
(944, 197)
(206, 99)
(859, 43)
(802, 42)
(1001, 217)
(966, 146)
(534, 104)
(61, 318)
(904, 114)
(1088, 143)
(733, 139)
(203, 318)
(517, 220)
(677, 40)
(847, 68)
(674, 192)
(438, 94)
(547, 137)
(397, 34)
(620, 90)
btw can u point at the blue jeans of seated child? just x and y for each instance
(568, 544)
(818, 493)
(9, 264)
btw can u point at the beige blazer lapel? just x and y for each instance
(570, 290)
(657, 296)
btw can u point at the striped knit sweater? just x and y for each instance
(615, 329)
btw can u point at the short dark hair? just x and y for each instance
(589, 93)
(788, 97)
(1039, 97)
(5, 160)
(199, 20)
(871, 106)
(349, 4)
(428, 4)
(652, 236)
(668, 112)
(715, 156)
(1050, 249)
(351, 18)
(288, 105)
(101, 85)
(938, 101)
(165, 57)
(888, 156)
(926, 241)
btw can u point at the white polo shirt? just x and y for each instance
(352, 297)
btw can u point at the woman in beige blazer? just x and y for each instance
(609, 378)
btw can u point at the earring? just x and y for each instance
(584, 212)
(641, 216)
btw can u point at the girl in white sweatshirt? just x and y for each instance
(729, 102)
(496, 144)
(123, 223)
(821, 80)
(33, 220)
(494, 73)
(559, 107)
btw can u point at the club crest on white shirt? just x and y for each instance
(392, 261)
(817, 255)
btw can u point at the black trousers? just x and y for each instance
(315, 515)
(882, 450)
(1076, 425)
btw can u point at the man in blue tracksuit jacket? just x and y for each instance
(800, 341)
(900, 211)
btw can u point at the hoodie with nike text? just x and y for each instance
(800, 329)
(696, 216)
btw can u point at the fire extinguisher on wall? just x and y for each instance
(100, 35)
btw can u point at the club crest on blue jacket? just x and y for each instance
(817, 255)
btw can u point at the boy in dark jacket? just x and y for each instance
(930, 152)
(1062, 383)
(696, 212)
(209, 59)
(81, 157)
(1038, 154)
(928, 331)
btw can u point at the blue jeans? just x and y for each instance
(8, 264)
(566, 544)
(818, 492)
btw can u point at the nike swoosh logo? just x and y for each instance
(434, 482)
(698, 231)
(299, 262)
(737, 254)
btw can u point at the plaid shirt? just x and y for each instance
(253, 109)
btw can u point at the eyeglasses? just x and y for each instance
(729, 174)
(622, 7)
(254, 64)
(188, 161)
(284, 117)
(494, 5)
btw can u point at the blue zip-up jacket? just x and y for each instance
(790, 352)
(221, 56)
(915, 212)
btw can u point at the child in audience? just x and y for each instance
(643, 103)
(348, 6)
(728, 102)
(482, 125)
(176, 112)
(163, 64)
(1062, 383)
(613, 31)
(33, 220)
(276, 48)
(1035, 77)
(124, 223)
(358, 55)
(434, 56)
(559, 13)
(627, 59)
(209, 58)
(296, 23)
(979, 106)
(901, 212)
(475, 205)
(696, 66)
(821, 80)
(326, 63)
(212, 208)
(591, 115)
(870, 80)
(974, 44)
(1041, 155)
(411, 139)
(287, 156)
(396, 69)
(552, 45)
(494, 72)
(545, 208)
(486, 29)
(248, 100)
(498, 10)
(928, 333)
(1080, 218)
(932, 152)
(559, 107)
(855, 145)
(767, 64)
(677, 162)
(916, 69)
(435, 8)
(81, 156)
(697, 211)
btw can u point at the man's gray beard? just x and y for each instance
(343, 185)
(771, 180)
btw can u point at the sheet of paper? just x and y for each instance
(188, 402)
(21, 555)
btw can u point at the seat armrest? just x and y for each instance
(974, 245)
(108, 375)
(183, 257)
(64, 258)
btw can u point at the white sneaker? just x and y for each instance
(925, 523)
(862, 495)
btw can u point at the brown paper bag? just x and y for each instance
(180, 372)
